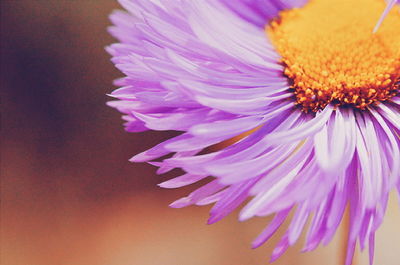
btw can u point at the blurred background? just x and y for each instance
(69, 196)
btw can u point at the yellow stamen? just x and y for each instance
(332, 56)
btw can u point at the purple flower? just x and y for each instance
(303, 95)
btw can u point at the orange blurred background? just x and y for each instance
(69, 196)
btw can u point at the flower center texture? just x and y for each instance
(331, 55)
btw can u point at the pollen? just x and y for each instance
(331, 54)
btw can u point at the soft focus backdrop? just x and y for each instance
(69, 196)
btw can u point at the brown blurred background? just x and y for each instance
(69, 196)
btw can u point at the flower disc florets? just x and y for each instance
(331, 54)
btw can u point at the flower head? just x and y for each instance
(303, 96)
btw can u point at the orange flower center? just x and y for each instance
(332, 56)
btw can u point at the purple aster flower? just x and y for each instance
(302, 94)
